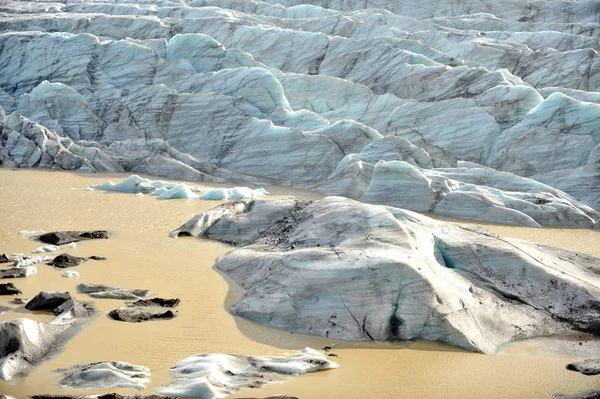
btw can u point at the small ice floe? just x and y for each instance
(89, 189)
(24, 261)
(70, 274)
(165, 190)
(46, 248)
(31, 232)
(104, 375)
(217, 376)
(71, 245)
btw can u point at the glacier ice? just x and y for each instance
(213, 376)
(26, 342)
(344, 269)
(165, 190)
(252, 93)
(46, 248)
(101, 375)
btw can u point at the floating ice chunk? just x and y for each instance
(135, 184)
(70, 274)
(30, 260)
(71, 245)
(233, 193)
(139, 194)
(217, 376)
(178, 191)
(31, 232)
(46, 248)
(165, 190)
(89, 189)
(105, 375)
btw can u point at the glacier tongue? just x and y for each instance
(487, 111)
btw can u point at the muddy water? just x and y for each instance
(140, 255)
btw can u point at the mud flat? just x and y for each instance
(140, 255)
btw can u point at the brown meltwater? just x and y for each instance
(141, 255)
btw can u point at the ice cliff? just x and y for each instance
(487, 110)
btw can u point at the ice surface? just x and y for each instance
(103, 375)
(211, 376)
(344, 269)
(46, 248)
(165, 190)
(253, 93)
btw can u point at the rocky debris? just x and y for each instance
(103, 375)
(426, 279)
(24, 343)
(20, 301)
(9, 289)
(24, 261)
(108, 292)
(4, 309)
(162, 302)
(63, 261)
(65, 237)
(48, 300)
(211, 376)
(4, 258)
(587, 367)
(18, 272)
(140, 314)
(588, 394)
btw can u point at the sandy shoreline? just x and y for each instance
(140, 255)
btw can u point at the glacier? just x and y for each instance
(486, 110)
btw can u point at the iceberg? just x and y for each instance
(165, 190)
(378, 273)
(213, 376)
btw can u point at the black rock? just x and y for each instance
(9, 289)
(14, 272)
(4, 258)
(107, 292)
(137, 315)
(162, 302)
(590, 394)
(65, 260)
(65, 237)
(587, 367)
(48, 300)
